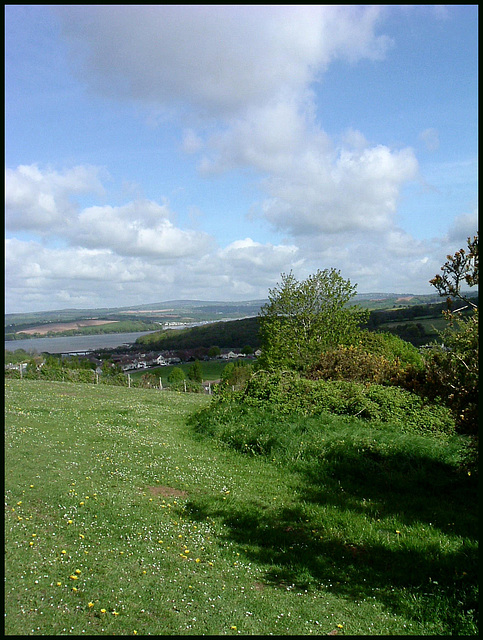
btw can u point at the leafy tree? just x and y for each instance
(176, 375)
(453, 370)
(236, 374)
(302, 319)
(214, 351)
(195, 372)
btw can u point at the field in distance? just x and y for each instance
(173, 313)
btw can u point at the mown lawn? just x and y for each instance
(120, 520)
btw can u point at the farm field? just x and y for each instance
(121, 520)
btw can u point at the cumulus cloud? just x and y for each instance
(139, 228)
(243, 77)
(217, 58)
(38, 199)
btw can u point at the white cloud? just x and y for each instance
(38, 199)
(139, 228)
(218, 58)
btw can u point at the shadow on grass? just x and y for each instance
(422, 581)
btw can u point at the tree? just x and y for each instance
(453, 371)
(176, 375)
(459, 269)
(302, 319)
(195, 372)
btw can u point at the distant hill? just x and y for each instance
(190, 312)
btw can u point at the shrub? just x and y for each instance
(354, 364)
(176, 375)
(288, 393)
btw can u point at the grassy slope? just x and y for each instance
(245, 546)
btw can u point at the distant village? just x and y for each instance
(129, 362)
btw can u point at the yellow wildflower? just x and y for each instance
(90, 604)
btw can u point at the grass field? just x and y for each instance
(212, 370)
(119, 520)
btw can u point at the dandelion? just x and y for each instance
(69, 522)
(59, 584)
(90, 604)
(78, 571)
(73, 577)
(340, 626)
(75, 589)
(103, 611)
(233, 627)
(115, 613)
(81, 536)
(63, 552)
(81, 503)
(31, 544)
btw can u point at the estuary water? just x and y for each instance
(73, 344)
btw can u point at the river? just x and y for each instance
(73, 344)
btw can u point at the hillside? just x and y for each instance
(416, 323)
(189, 313)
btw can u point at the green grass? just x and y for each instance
(175, 534)
(212, 370)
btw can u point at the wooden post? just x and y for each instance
(160, 384)
(128, 380)
(184, 385)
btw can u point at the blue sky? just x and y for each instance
(162, 152)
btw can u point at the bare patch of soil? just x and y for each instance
(167, 492)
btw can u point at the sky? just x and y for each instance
(168, 152)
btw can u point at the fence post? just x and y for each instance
(184, 381)
(160, 384)
(128, 380)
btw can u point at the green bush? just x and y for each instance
(288, 393)
(354, 364)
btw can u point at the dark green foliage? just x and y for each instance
(230, 334)
(195, 372)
